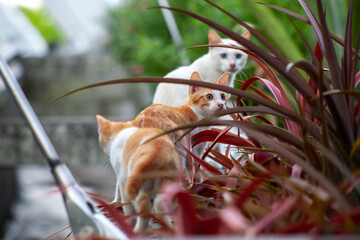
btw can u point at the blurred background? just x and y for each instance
(56, 46)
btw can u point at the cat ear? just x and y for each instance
(195, 77)
(223, 79)
(246, 35)
(214, 38)
(103, 130)
(102, 122)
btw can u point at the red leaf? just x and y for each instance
(275, 214)
(278, 92)
(222, 159)
(354, 215)
(357, 79)
(296, 171)
(318, 54)
(258, 91)
(227, 138)
(188, 223)
(231, 182)
(117, 217)
(233, 219)
(206, 165)
(243, 196)
(208, 227)
(203, 189)
(263, 157)
(224, 131)
(186, 219)
(230, 138)
(319, 59)
(260, 117)
(357, 108)
(301, 227)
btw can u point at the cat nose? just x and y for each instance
(232, 65)
(220, 105)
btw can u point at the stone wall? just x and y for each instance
(75, 139)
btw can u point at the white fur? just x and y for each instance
(115, 149)
(210, 67)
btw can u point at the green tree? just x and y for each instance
(44, 24)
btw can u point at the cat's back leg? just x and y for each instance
(128, 205)
(159, 208)
(142, 205)
(117, 197)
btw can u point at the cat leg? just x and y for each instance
(117, 197)
(142, 204)
(128, 207)
(199, 150)
(159, 208)
(184, 161)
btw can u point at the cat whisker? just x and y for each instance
(105, 163)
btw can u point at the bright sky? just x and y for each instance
(26, 3)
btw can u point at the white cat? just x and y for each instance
(210, 67)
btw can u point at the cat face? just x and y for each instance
(227, 59)
(204, 101)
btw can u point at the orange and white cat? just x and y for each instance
(141, 167)
(210, 66)
(201, 103)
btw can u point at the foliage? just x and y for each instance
(302, 177)
(135, 42)
(44, 24)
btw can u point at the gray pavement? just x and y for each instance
(39, 211)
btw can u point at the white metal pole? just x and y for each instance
(174, 31)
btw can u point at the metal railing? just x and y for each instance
(174, 31)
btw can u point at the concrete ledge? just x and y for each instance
(74, 138)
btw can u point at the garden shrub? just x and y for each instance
(300, 177)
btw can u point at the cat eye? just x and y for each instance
(223, 96)
(238, 56)
(223, 55)
(209, 96)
